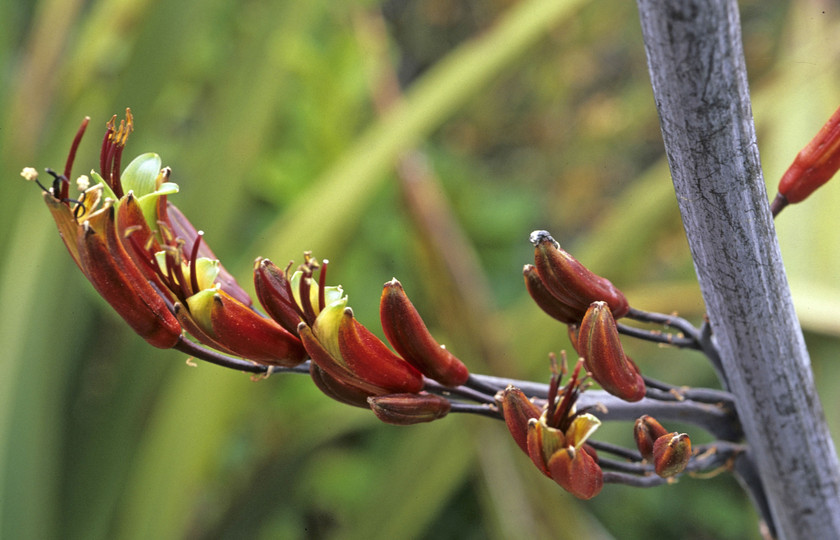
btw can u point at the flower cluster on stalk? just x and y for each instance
(146, 259)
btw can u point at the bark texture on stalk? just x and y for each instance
(697, 69)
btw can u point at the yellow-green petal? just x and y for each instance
(201, 306)
(326, 325)
(582, 427)
(140, 176)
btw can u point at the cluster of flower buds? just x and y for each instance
(568, 291)
(150, 264)
(563, 287)
(555, 438)
(669, 452)
(815, 165)
(349, 363)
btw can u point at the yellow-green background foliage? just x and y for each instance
(529, 114)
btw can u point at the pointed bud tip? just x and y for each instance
(538, 237)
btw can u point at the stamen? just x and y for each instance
(79, 209)
(322, 282)
(570, 395)
(29, 173)
(288, 283)
(57, 185)
(179, 268)
(165, 234)
(83, 182)
(122, 135)
(306, 302)
(553, 386)
(193, 257)
(106, 147)
(68, 166)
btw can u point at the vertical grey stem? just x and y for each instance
(697, 69)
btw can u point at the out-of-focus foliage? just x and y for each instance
(530, 115)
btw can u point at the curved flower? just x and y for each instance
(148, 261)
(349, 363)
(599, 344)
(561, 280)
(556, 439)
(87, 225)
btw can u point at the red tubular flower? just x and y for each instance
(815, 165)
(409, 409)
(555, 440)
(274, 291)
(244, 332)
(571, 283)
(350, 364)
(577, 472)
(108, 267)
(89, 231)
(599, 344)
(338, 390)
(371, 359)
(518, 411)
(348, 352)
(546, 301)
(148, 261)
(409, 336)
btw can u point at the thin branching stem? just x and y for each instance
(482, 410)
(626, 453)
(664, 338)
(460, 391)
(671, 321)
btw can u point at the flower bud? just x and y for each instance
(543, 442)
(182, 228)
(336, 389)
(372, 361)
(409, 336)
(671, 453)
(518, 410)
(599, 344)
(547, 301)
(577, 472)
(351, 354)
(244, 332)
(139, 240)
(274, 292)
(408, 409)
(332, 365)
(813, 166)
(571, 282)
(646, 431)
(109, 268)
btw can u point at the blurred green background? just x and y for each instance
(283, 128)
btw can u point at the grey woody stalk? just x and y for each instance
(698, 73)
